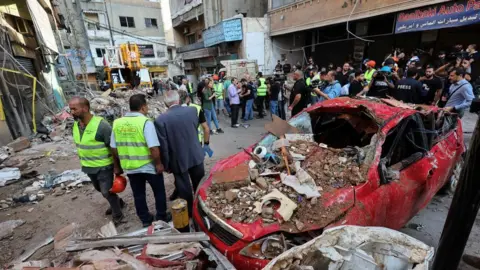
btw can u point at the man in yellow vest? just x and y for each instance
(261, 93)
(219, 95)
(136, 151)
(92, 138)
(370, 71)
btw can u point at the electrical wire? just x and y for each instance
(348, 21)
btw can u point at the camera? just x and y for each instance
(316, 83)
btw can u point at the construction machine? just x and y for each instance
(123, 68)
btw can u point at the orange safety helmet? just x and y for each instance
(215, 77)
(119, 184)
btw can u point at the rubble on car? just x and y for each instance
(296, 169)
(354, 247)
(158, 246)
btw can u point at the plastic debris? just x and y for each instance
(9, 175)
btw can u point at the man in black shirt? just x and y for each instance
(432, 87)
(273, 91)
(342, 77)
(357, 85)
(287, 67)
(299, 95)
(409, 90)
(380, 86)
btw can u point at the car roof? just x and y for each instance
(377, 107)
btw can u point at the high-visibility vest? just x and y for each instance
(199, 128)
(262, 89)
(218, 88)
(132, 147)
(369, 75)
(92, 153)
(190, 88)
(308, 81)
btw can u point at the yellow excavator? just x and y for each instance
(123, 68)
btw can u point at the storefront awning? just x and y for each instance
(202, 53)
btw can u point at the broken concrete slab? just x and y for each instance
(302, 182)
(287, 206)
(262, 183)
(19, 144)
(237, 174)
(280, 127)
(231, 194)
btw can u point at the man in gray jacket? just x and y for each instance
(181, 151)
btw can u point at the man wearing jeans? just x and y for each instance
(249, 97)
(273, 91)
(136, 150)
(218, 89)
(233, 90)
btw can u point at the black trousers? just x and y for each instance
(243, 104)
(138, 183)
(102, 181)
(235, 110)
(183, 186)
(260, 103)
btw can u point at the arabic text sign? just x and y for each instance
(451, 14)
(225, 31)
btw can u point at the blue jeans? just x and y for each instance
(248, 110)
(227, 106)
(211, 114)
(274, 107)
(314, 100)
(219, 104)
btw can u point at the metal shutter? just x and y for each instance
(27, 63)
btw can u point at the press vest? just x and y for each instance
(132, 147)
(262, 89)
(199, 128)
(369, 75)
(218, 88)
(92, 153)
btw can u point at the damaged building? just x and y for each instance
(28, 51)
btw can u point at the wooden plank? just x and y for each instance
(80, 244)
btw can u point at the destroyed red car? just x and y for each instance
(403, 157)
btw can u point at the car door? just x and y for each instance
(404, 168)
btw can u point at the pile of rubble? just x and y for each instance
(158, 246)
(283, 183)
(112, 105)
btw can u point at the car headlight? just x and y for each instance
(265, 248)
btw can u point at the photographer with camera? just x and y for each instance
(381, 85)
(332, 90)
(408, 90)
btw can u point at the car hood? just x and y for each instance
(335, 203)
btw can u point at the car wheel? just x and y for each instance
(456, 173)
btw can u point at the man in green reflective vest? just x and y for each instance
(261, 94)
(91, 135)
(219, 96)
(136, 151)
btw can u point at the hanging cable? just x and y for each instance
(348, 21)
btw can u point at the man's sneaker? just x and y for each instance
(237, 125)
(108, 212)
(233, 126)
(167, 218)
(213, 131)
(220, 130)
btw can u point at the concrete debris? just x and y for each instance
(19, 144)
(31, 265)
(301, 182)
(354, 247)
(287, 206)
(76, 177)
(231, 194)
(7, 227)
(9, 175)
(237, 175)
(5, 153)
(262, 183)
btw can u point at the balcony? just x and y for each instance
(187, 16)
(191, 47)
(98, 34)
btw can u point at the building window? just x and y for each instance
(100, 52)
(93, 23)
(191, 39)
(66, 47)
(21, 26)
(127, 22)
(170, 54)
(151, 23)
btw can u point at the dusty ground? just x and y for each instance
(86, 207)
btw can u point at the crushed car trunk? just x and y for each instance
(353, 247)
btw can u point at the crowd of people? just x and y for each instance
(445, 81)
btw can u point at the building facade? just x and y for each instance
(300, 29)
(209, 31)
(29, 87)
(92, 26)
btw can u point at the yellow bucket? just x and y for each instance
(179, 213)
